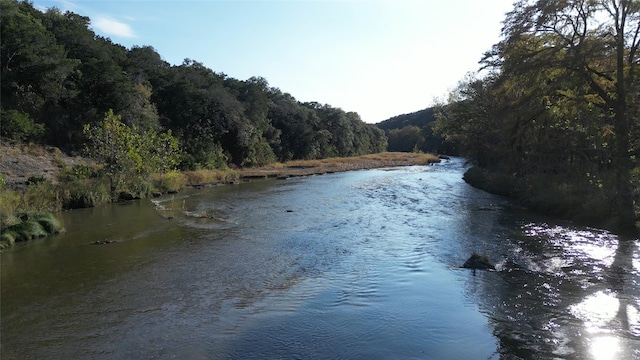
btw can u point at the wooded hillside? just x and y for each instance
(60, 80)
(414, 132)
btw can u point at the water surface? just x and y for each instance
(357, 265)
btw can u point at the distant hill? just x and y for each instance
(419, 118)
(414, 132)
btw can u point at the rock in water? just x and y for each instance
(478, 262)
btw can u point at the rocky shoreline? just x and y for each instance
(19, 162)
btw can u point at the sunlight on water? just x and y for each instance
(591, 244)
(363, 264)
(597, 309)
(605, 348)
(600, 312)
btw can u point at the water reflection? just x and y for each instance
(605, 348)
(564, 291)
(356, 265)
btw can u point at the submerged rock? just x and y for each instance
(480, 262)
(103, 242)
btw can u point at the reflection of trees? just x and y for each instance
(621, 275)
(562, 291)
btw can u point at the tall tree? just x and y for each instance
(554, 116)
(598, 41)
(36, 73)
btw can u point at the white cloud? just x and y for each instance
(113, 27)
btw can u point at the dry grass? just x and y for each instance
(309, 167)
(202, 176)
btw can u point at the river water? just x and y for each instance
(356, 265)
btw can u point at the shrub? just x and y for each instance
(28, 230)
(84, 194)
(19, 126)
(42, 196)
(169, 181)
(49, 223)
(7, 239)
(139, 187)
(78, 172)
(9, 204)
(34, 180)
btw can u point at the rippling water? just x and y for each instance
(358, 265)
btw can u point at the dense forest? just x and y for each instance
(554, 120)
(65, 86)
(415, 132)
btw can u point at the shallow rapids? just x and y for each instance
(356, 265)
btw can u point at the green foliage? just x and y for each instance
(19, 126)
(78, 172)
(31, 225)
(35, 180)
(160, 151)
(28, 230)
(7, 239)
(49, 223)
(407, 139)
(127, 154)
(402, 135)
(555, 113)
(10, 202)
(35, 70)
(139, 187)
(84, 193)
(40, 197)
(3, 181)
(169, 181)
(59, 79)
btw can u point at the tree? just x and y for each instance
(469, 119)
(19, 126)
(552, 118)
(407, 139)
(36, 73)
(127, 154)
(596, 42)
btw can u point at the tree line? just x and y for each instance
(554, 119)
(414, 132)
(61, 82)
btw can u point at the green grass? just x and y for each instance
(28, 226)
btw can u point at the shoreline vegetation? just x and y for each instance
(331, 165)
(56, 182)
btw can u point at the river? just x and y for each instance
(355, 265)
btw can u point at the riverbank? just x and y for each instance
(19, 162)
(172, 182)
(332, 165)
(43, 180)
(554, 195)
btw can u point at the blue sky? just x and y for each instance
(377, 58)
